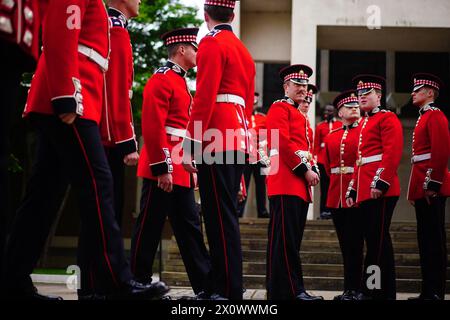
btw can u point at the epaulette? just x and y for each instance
(162, 70)
(435, 109)
(280, 100)
(213, 33)
(116, 22)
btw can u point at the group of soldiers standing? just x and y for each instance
(79, 105)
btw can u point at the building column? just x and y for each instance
(390, 79)
(237, 20)
(324, 70)
(303, 51)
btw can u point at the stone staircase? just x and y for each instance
(320, 253)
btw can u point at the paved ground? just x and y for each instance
(250, 294)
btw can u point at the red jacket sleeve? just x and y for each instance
(317, 141)
(278, 118)
(157, 94)
(438, 133)
(210, 64)
(119, 79)
(327, 156)
(392, 142)
(61, 55)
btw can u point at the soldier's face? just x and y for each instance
(421, 96)
(296, 92)
(369, 101)
(133, 7)
(190, 56)
(350, 113)
(304, 107)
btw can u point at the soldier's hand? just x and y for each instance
(350, 202)
(312, 178)
(165, 182)
(189, 167)
(413, 203)
(375, 193)
(68, 118)
(131, 159)
(430, 195)
(241, 197)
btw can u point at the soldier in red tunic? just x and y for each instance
(65, 107)
(218, 138)
(339, 159)
(116, 126)
(289, 186)
(429, 185)
(304, 109)
(375, 185)
(322, 130)
(19, 43)
(259, 164)
(168, 189)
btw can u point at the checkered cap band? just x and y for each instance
(179, 39)
(302, 76)
(369, 85)
(420, 82)
(347, 100)
(221, 3)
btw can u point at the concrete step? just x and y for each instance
(310, 270)
(397, 226)
(326, 235)
(406, 259)
(311, 283)
(249, 244)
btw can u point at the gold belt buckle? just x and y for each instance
(359, 162)
(344, 170)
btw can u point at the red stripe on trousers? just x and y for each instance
(99, 213)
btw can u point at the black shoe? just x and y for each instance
(91, 297)
(423, 297)
(304, 296)
(30, 294)
(264, 215)
(362, 297)
(217, 297)
(136, 290)
(325, 215)
(350, 295)
(341, 296)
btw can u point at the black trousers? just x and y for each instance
(324, 185)
(179, 205)
(219, 186)
(260, 189)
(12, 65)
(349, 230)
(69, 154)
(377, 216)
(284, 276)
(115, 161)
(432, 245)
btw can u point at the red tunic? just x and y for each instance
(116, 126)
(322, 131)
(431, 136)
(66, 80)
(290, 151)
(224, 67)
(381, 136)
(20, 25)
(258, 135)
(165, 115)
(341, 147)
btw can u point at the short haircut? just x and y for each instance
(173, 48)
(220, 14)
(435, 93)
